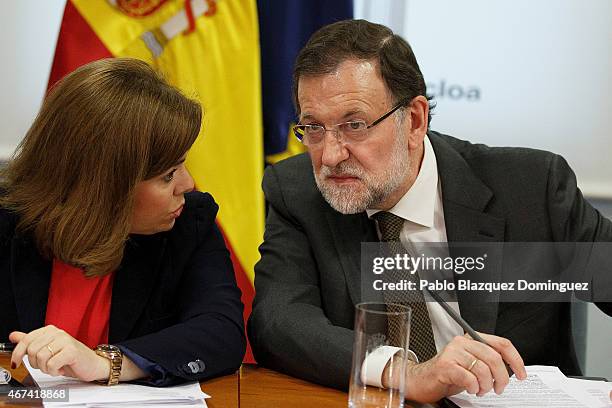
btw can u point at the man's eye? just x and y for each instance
(313, 129)
(355, 125)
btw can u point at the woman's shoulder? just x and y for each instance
(198, 215)
(8, 218)
(201, 201)
(200, 205)
(8, 222)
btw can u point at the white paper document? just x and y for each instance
(91, 395)
(544, 387)
(598, 389)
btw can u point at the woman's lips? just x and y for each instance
(178, 211)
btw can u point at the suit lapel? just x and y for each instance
(345, 228)
(133, 284)
(465, 198)
(31, 277)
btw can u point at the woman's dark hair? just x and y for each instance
(102, 129)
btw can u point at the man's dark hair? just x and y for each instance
(363, 40)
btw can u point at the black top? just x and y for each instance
(175, 300)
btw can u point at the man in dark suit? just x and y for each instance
(364, 116)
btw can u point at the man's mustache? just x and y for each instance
(343, 169)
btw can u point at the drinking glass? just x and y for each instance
(381, 343)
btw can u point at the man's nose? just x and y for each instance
(334, 151)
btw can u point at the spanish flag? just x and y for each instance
(210, 50)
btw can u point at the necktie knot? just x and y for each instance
(390, 226)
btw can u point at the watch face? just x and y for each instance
(109, 348)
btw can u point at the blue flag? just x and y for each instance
(284, 28)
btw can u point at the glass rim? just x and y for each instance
(363, 306)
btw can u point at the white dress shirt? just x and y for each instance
(421, 208)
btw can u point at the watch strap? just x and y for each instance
(115, 357)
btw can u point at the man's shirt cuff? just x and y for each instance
(374, 364)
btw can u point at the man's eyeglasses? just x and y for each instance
(353, 131)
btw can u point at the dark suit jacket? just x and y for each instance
(174, 299)
(308, 279)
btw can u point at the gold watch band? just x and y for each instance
(115, 357)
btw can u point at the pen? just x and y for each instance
(7, 346)
(461, 322)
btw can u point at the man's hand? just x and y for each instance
(55, 352)
(449, 373)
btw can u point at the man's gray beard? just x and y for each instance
(373, 191)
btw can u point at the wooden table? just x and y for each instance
(263, 388)
(225, 391)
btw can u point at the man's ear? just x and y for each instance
(417, 114)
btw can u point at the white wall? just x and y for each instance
(28, 33)
(598, 358)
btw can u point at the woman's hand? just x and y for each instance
(55, 352)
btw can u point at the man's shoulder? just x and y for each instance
(474, 151)
(494, 159)
(290, 184)
(297, 166)
(480, 150)
(294, 174)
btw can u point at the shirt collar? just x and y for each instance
(418, 204)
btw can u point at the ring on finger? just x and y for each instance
(472, 364)
(50, 350)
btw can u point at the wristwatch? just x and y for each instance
(115, 357)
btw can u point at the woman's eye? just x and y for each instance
(168, 177)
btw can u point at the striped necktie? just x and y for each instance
(421, 335)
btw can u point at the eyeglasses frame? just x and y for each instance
(400, 104)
